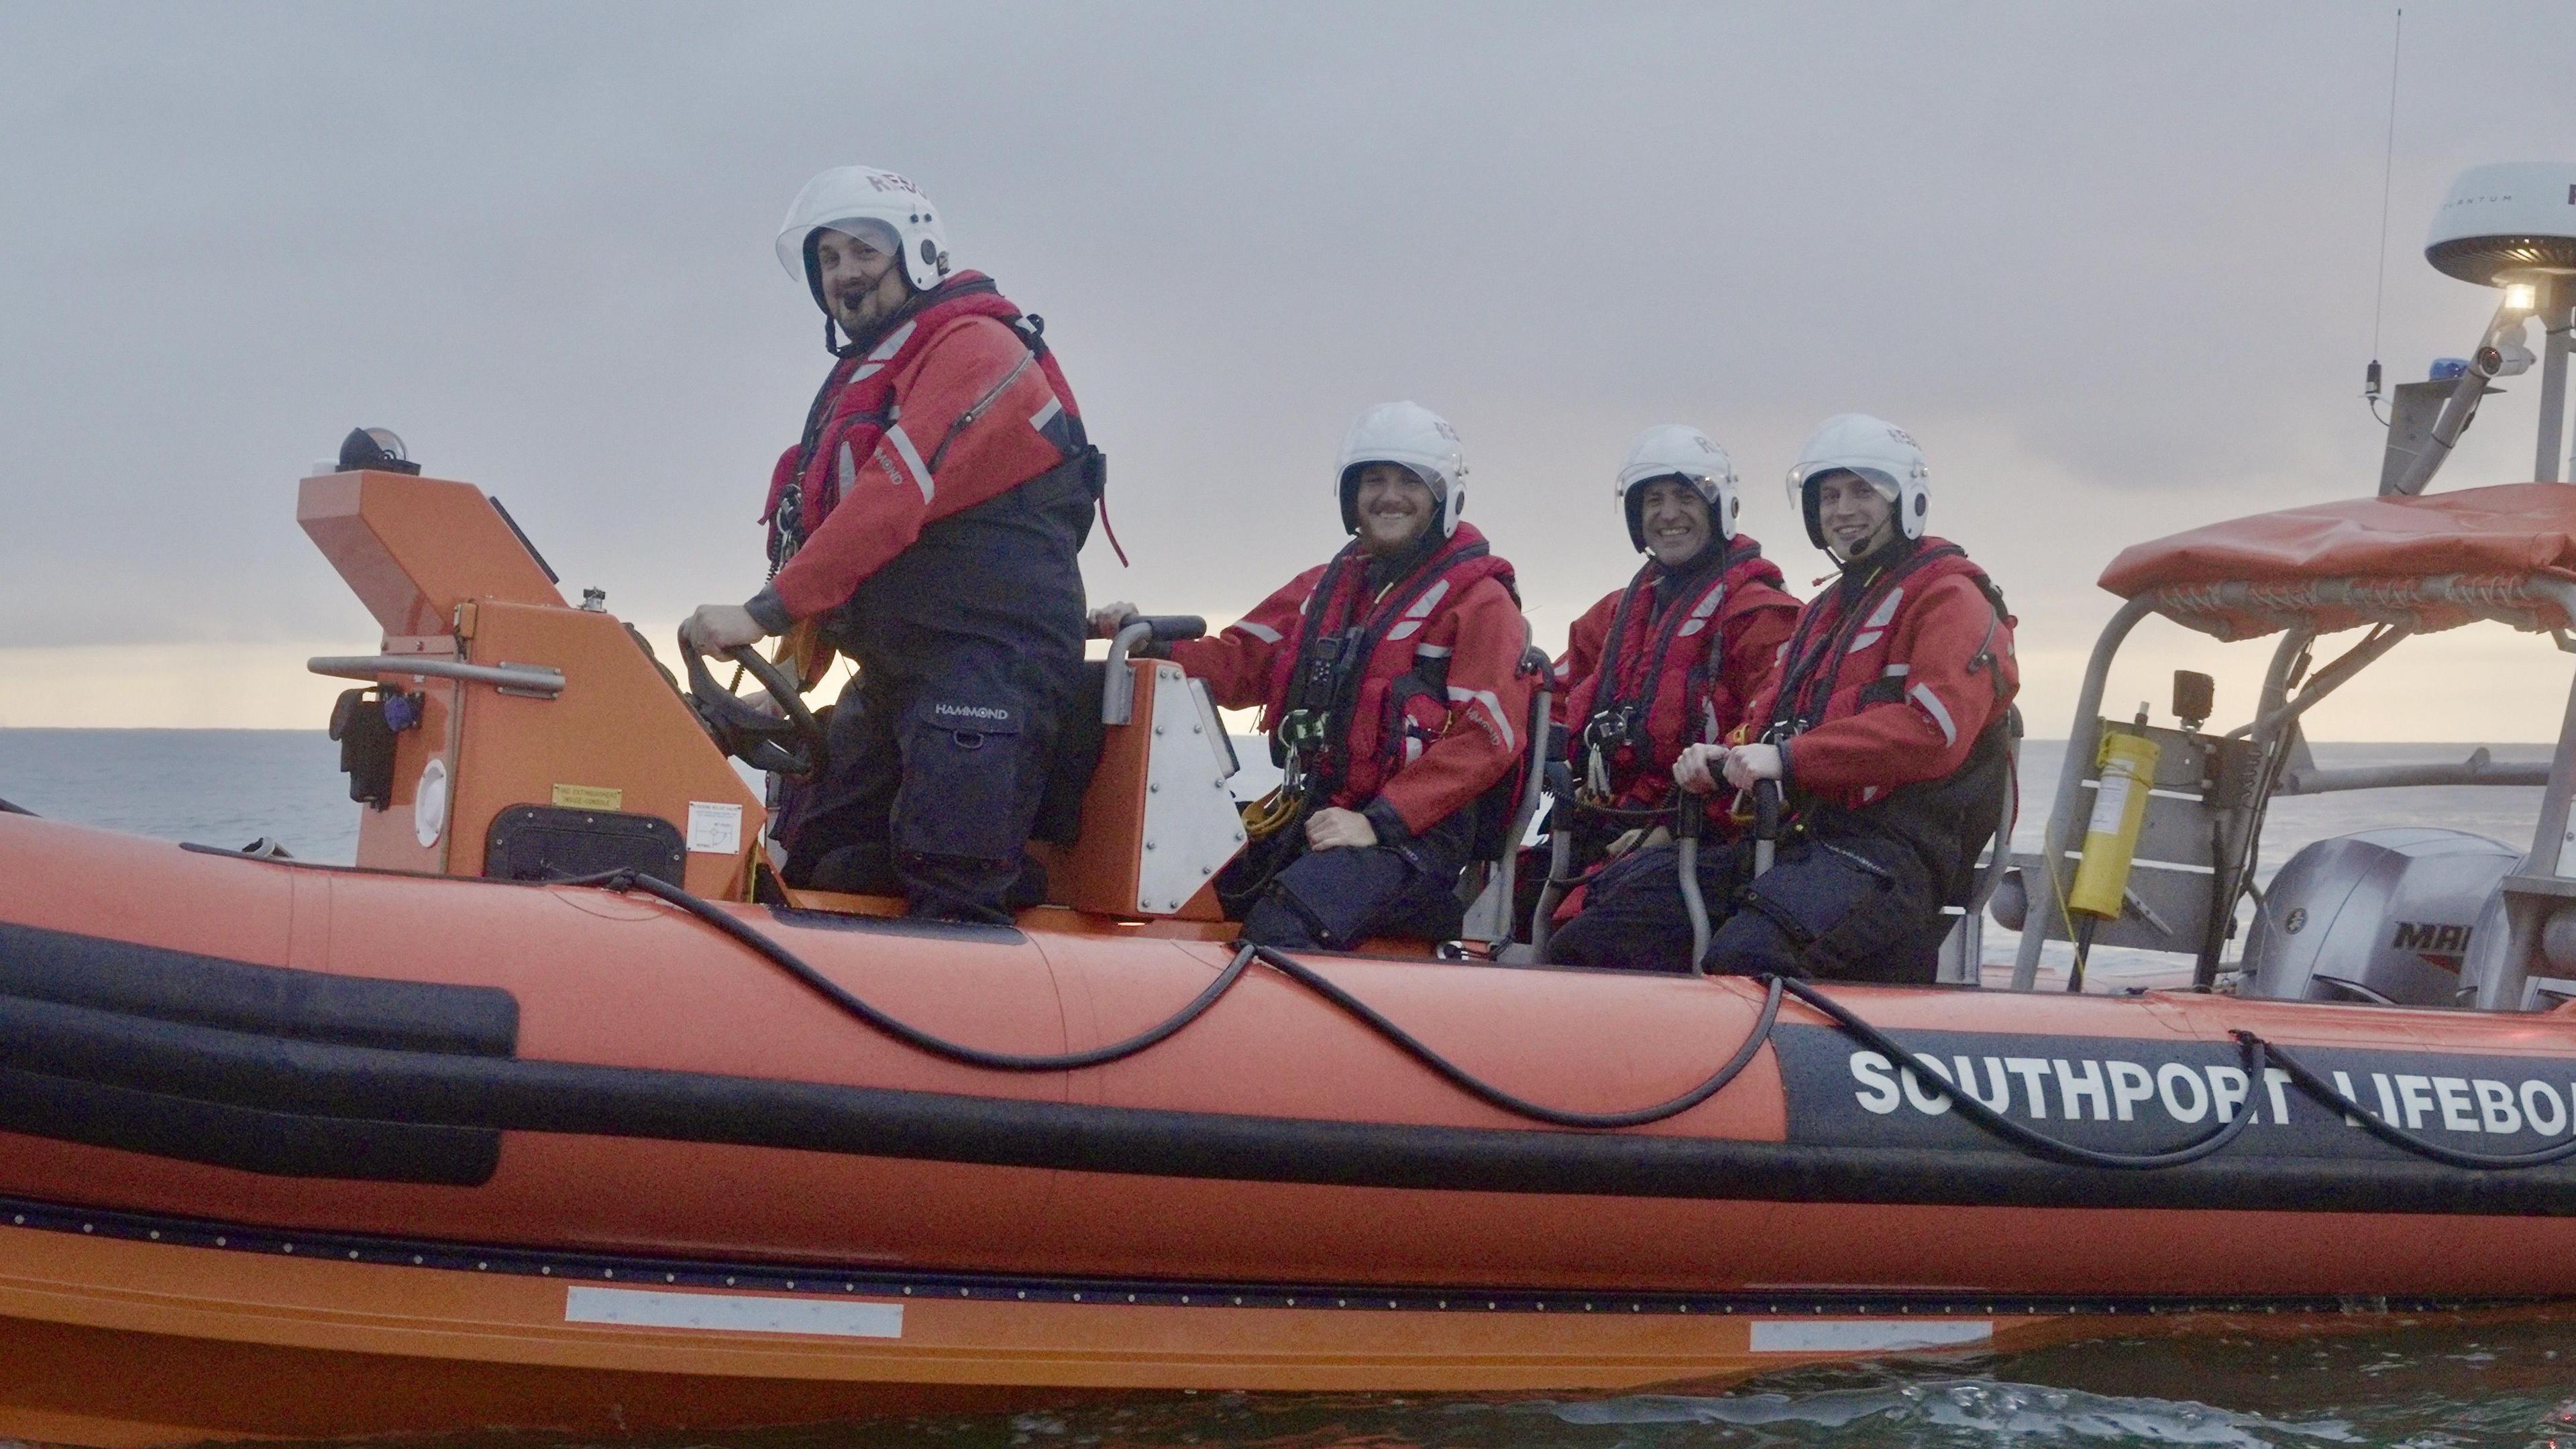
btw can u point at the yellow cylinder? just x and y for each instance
(2128, 769)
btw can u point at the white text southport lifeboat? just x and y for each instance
(308, 1150)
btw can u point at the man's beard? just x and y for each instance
(1371, 543)
(854, 314)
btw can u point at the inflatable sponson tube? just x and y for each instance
(98, 1024)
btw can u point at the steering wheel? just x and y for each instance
(790, 745)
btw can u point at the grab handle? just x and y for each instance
(1118, 692)
(1168, 628)
(1766, 824)
(535, 679)
(1690, 812)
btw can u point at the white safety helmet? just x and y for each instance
(1415, 437)
(1877, 450)
(1670, 450)
(869, 204)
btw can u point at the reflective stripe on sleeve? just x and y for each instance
(1922, 694)
(1493, 711)
(901, 442)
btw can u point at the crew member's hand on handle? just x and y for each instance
(1691, 771)
(1748, 763)
(718, 627)
(1109, 618)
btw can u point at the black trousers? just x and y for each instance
(1852, 908)
(969, 646)
(935, 777)
(1296, 898)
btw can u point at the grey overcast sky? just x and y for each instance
(2112, 263)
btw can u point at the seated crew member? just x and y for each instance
(1390, 683)
(1888, 726)
(927, 526)
(1673, 658)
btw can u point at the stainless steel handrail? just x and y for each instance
(1118, 690)
(535, 679)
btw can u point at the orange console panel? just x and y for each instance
(522, 700)
(1157, 820)
(412, 549)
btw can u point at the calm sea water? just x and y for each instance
(2429, 1386)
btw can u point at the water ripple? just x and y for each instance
(1983, 1409)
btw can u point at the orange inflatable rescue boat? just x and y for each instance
(440, 1141)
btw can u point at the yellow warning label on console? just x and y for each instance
(589, 797)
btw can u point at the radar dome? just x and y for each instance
(2517, 217)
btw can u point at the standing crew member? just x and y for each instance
(1889, 727)
(1390, 683)
(1668, 661)
(927, 523)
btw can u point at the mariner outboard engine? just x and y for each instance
(2379, 915)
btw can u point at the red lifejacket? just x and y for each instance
(857, 404)
(1838, 663)
(1658, 689)
(1382, 715)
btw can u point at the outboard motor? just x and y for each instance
(2379, 915)
(2549, 979)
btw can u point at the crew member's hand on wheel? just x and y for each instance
(1333, 827)
(1748, 763)
(1109, 618)
(718, 627)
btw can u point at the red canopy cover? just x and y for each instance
(2502, 534)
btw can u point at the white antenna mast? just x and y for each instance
(2387, 170)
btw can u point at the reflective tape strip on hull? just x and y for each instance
(732, 1312)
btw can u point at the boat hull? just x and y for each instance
(257, 1118)
(123, 1330)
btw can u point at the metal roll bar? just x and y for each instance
(2523, 601)
(2279, 712)
(2480, 768)
(2083, 738)
(540, 680)
(2542, 888)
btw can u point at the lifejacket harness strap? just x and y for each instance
(1807, 683)
(1617, 721)
(1323, 688)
